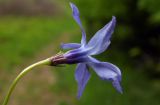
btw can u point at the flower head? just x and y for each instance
(81, 53)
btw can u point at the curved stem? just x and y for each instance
(26, 70)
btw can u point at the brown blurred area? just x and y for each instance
(29, 7)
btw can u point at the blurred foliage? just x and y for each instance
(18, 36)
(137, 31)
(21, 39)
(152, 6)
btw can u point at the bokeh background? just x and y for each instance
(31, 30)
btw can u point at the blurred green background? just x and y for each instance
(31, 30)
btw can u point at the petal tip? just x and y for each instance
(74, 8)
(117, 86)
(120, 90)
(71, 4)
(113, 19)
(78, 97)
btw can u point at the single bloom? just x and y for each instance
(81, 54)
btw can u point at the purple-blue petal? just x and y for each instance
(84, 59)
(82, 76)
(116, 84)
(70, 45)
(101, 40)
(75, 13)
(75, 53)
(108, 71)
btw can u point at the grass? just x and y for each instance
(22, 37)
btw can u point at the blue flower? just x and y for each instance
(81, 53)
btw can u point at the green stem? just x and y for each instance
(26, 70)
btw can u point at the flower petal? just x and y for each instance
(117, 85)
(75, 13)
(108, 71)
(83, 59)
(82, 76)
(70, 45)
(76, 53)
(101, 40)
